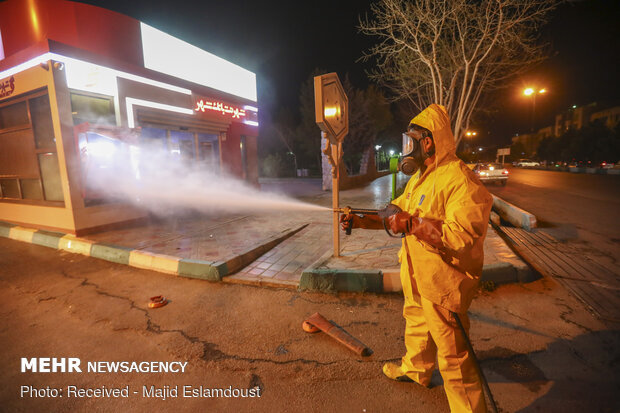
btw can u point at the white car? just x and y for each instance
(491, 172)
(527, 163)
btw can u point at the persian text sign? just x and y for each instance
(7, 87)
(234, 112)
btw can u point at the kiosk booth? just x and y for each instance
(77, 82)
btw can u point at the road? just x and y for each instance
(581, 209)
(58, 304)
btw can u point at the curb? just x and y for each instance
(333, 280)
(513, 214)
(205, 270)
(328, 280)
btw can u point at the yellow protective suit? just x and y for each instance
(438, 281)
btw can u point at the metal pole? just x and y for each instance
(533, 110)
(335, 200)
(393, 185)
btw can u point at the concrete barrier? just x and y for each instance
(515, 215)
(578, 169)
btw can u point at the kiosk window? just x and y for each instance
(42, 122)
(95, 110)
(182, 143)
(29, 169)
(14, 115)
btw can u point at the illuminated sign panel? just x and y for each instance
(246, 114)
(7, 87)
(89, 77)
(234, 112)
(172, 56)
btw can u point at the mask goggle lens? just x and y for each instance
(409, 144)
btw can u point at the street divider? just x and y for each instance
(513, 214)
(578, 169)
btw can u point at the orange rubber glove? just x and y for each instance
(424, 229)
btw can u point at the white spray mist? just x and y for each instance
(164, 183)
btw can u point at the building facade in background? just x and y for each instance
(78, 83)
(575, 117)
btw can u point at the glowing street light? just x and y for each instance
(531, 92)
(330, 112)
(470, 133)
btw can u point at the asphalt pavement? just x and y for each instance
(576, 208)
(577, 240)
(540, 349)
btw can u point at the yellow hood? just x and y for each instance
(435, 118)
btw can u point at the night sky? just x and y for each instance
(283, 41)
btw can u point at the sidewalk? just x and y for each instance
(279, 249)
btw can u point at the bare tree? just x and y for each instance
(451, 51)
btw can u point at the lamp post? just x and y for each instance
(469, 134)
(531, 92)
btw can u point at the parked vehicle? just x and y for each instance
(491, 172)
(524, 163)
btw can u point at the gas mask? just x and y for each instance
(413, 155)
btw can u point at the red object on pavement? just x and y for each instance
(158, 301)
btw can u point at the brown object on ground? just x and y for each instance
(158, 301)
(309, 328)
(337, 333)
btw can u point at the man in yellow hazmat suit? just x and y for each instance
(444, 214)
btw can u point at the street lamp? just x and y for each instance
(531, 92)
(468, 134)
(378, 157)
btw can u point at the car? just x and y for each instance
(491, 172)
(527, 163)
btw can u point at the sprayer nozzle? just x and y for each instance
(346, 210)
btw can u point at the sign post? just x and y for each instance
(503, 152)
(331, 108)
